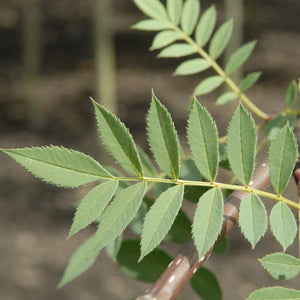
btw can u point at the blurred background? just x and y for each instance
(54, 55)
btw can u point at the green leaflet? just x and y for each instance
(190, 15)
(174, 9)
(239, 57)
(177, 50)
(208, 220)
(118, 140)
(92, 205)
(253, 218)
(220, 39)
(282, 158)
(281, 266)
(208, 85)
(241, 144)
(192, 66)
(249, 80)
(203, 139)
(189, 171)
(80, 261)
(152, 25)
(275, 293)
(118, 215)
(206, 285)
(277, 123)
(160, 218)
(58, 165)
(291, 94)
(152, 8)
(180, 231)
(147, 270)
(163, 138)
(283, 224)
(113, 247)
(226, 97)
(165, 38)
(148, 167)
(137, 222)
(206, 26)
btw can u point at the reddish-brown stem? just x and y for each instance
(187, 262)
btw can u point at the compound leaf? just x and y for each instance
(283, 224)
(118, 140)
(152, 8)
(177, 50)
(147, 270)
(291, 94)
(80, 261)
(249, 80)
(118, 215)
(208, 220)
(203, 139)
(281, 266)
(275, 293)
(92, 205)
(241, 144)
(253, 218)
(58, 165)
(226, 98)
(163, 138)
(220, 39)
(174, 9)
(239, 57)
(190, 15)
(208, 85)
(282, 158)
(206, 285)
(152, 25)
(160, 218)
(192, 66)
(165, 38)
(206, 26)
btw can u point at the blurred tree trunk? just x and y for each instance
(105, 83)
(235, 9)
(32, 46)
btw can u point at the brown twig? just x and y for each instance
(187, 262)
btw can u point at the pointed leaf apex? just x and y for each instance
(94, 102)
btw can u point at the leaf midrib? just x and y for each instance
(120, 144)
(64, 168)
(166, 209)
(164, 139)
(281, 164)
(205, 146)
(242, 148)
(210, 214)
